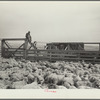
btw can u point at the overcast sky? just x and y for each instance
(51, 20)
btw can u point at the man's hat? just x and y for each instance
(28, 31)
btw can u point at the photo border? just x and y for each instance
(48, 98)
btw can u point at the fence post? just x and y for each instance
(25, 49)
(50, 53)
(2, 48)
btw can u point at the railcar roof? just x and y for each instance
(66, 43)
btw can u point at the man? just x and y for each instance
(28, 37)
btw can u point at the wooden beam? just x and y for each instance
(10, 39)
(25, 49)
(73, 43)
(64, 51)
(6, 44)
(2, 48)
(91, 42)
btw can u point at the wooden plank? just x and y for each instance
(12, 52)
(19, 52)
(15, 48)
(67, 55)
(35, 59)
(74, 42)
(63, 58)
(88, 56)
(58, 56)
(54, 54)
(13, 39)
(16, 51)
(91, 42)
(65, 51)
(31, 55)
(20, 55)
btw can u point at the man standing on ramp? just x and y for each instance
(29, 39)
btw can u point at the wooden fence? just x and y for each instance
(50, 55)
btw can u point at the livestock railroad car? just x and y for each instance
(66, 46)
(55, 51)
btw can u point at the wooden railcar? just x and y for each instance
(66, 46)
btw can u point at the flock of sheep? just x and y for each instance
(23, 74)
